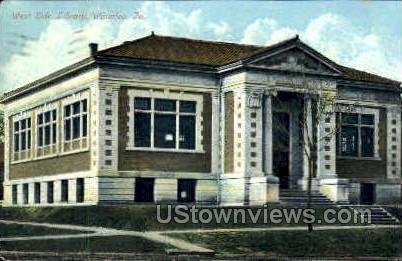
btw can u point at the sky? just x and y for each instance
(40, 37)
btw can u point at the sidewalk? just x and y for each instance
(162, 236)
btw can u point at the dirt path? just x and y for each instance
(181, 245)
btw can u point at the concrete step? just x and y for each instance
(300, 197)
(378, 215)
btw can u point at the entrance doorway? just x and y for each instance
(144, 190)
(367, 193)
(280, 138)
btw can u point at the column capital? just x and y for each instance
(271, 92)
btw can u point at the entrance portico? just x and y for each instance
(274, 135)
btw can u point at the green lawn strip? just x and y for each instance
(112, 244)
(136, 217)
(324, 243)
(13, 230)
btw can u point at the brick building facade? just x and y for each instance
(165, 119)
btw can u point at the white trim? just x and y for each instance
(69, 101)
(71, 175)
(363, 110)
(18, 118)
(178, 96)
(52, 121)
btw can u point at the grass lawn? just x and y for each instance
(135, 217)
(11, 230)
(112, 244)
(326, 243)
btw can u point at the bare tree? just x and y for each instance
(321, 106)
(318, 106)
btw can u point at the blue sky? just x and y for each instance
(362, 34)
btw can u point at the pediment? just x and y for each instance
(294, 60)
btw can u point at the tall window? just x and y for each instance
(46, 127)
(22, 135)
(164, 123)
(355, 135)
(75, 120)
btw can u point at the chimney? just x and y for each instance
(93, 49)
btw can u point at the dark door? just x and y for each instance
(367, 193)
(280, 138)
(144, 190)
(186, 190)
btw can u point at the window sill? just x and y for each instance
(164, 150)
(358, 158)
(55, 155)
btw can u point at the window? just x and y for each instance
(37, 193)
(164, 123)
(80, 190)
(25, 193)
(50, 191)
(64, 190)
(75, 120)
(15, 194)
(22, 135)
(186, 190)
(355, 135)
(46, 128)
(144, 190)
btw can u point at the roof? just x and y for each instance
(182, 50)
(192, 51)
(200, 52)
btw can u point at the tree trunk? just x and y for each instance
(309, 188)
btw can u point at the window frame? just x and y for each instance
(83, 140)
(28, 145)
(178, 97)
(342, 109)
(43, 125)
(72, 116)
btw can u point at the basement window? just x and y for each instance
(50, 189)
(64, 190)
(80, 190)
(15, 194)
(37, 192)
(25, 193)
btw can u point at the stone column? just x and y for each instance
(268, 144)
(7, 192)
(329, 184)
(215, 129)
(264, 189)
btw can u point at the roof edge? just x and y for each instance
(47, 78)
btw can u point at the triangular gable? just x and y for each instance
(297, 57)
